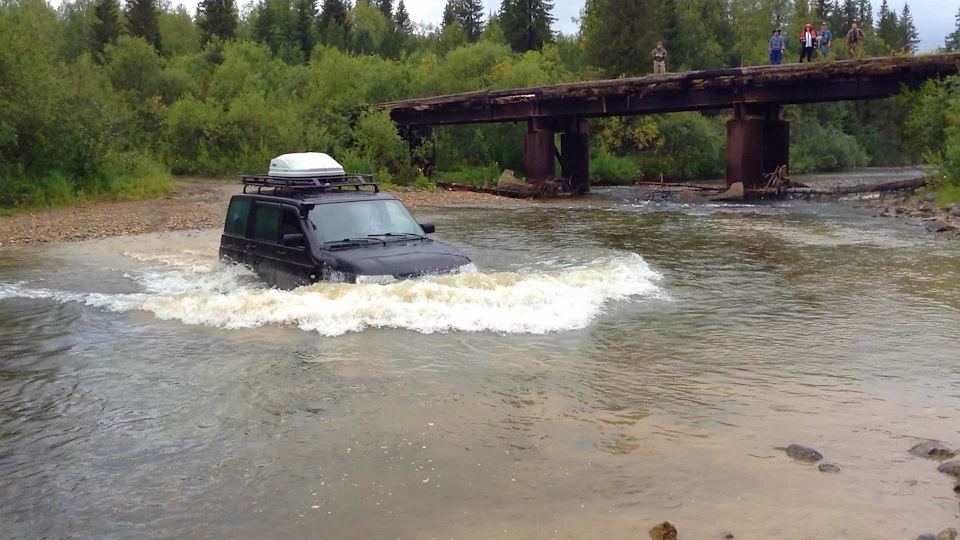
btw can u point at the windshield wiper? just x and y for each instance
(351, 240)
(399, 234)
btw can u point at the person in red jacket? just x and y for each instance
(808, 40)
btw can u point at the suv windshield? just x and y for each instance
(360, 219)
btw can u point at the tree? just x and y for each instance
(386, 7)
(178, 34)
(618, 36)
(909, 36)
(526, 23)
(334, 24)
(217, 18)
(142, 22)
(865, 13)
(953, 40)
(106, 29)
(468, 14)
(402, 19)
(305, 16)
(888, 29)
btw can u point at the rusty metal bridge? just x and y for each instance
(758, 138)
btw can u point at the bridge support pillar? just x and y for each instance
(540, 152)
(758, 142)
(575, 158)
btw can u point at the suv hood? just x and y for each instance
(399, 259)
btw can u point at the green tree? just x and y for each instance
(217, 18)
(526, 23)
(752, 21)
(468, 14)
(305, 17)
(178, 33)
(334, 24)
(106, 29)
(693, 44)
(386, 7)
(888, 28)
(909, 36)
(142, 21)
(953, 40)
(402, 19)
(618, 36)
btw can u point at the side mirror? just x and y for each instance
(293, 240)
(428, 228)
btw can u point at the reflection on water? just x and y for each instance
(609, 365)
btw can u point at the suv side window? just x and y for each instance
(291, 225)
(267, 224)
(237, 216)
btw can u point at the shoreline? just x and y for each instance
(195, 204)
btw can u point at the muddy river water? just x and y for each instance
(611, 363)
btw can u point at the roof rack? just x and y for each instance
(311, 183)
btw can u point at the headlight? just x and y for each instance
(375, 280)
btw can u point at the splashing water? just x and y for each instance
(226, 296)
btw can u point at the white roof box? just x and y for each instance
(305, 165)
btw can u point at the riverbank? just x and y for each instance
(195, 204)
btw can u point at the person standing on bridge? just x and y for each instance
(854, 39)
(808, 39)
(824, 39)
(659, 59)
(777, 46)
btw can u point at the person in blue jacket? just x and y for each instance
(824, 38)
(777, 46)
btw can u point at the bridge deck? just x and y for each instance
(696, 90)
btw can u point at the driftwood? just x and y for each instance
(913, 183)
(452, 186)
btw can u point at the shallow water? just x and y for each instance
(610, 363)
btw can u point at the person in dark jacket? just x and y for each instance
(854, 40)
(659, 59)
(808, 40)
(777, 46)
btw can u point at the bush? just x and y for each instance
(610, 169)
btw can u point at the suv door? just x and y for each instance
(265, 238)
(234, 240)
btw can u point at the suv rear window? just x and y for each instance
(267, 225)
(237, 216)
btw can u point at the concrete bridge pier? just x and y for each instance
(758, 142)
(574, 153)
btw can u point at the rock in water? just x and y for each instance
(735, 193)
(951, 467)
(829, 468)
(802, 453)
(949, 534)
(926, 537)
(665, 531)
(933, 450)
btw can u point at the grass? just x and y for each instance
(474, 175)
(947, 194)
(129, 178)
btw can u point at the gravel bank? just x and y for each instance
(196, 204)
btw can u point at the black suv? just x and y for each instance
(297, 231)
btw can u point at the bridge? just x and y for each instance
(758, 138)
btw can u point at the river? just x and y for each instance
(611, 363)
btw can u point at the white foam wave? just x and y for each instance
(506, 302)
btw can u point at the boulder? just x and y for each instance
(931, 197)
(735, 193)
(954, 210)
(926, 537)
(829, 468)
(933, 450)
(802, 453)
(941, 225)
(666, 531)
(509, 182)
(949, 534)
(951, 467)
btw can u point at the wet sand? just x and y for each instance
(196, 204)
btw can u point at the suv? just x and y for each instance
(308, 221)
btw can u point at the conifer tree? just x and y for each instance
(142, 22)
(402, 19)
(865, 13)
(305, 16)
(386, 7)
(888, 30)
(909, 36)
(217, 18)
(953, 40)
(106, 27)
(450, 12)
(526, 23)
(334, 23)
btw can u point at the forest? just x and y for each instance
(103, 100)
